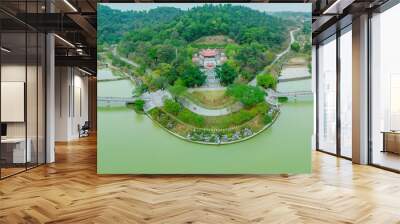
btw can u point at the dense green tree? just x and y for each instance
(266, 81)
(112, 24)
(157, 82)
(248, 95)
(231, 50)
(269, 57)
(178, 88)
(226, 73)
(165, 35)
(172, 107)
(295, 46)
(140, 89)
(167, 71)
(251, 59)
(192, 76)
(307, 47)
(246, 74)
(138, 105)
(267, 119)
(165, 53)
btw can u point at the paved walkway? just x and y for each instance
(155, 99)
(211, 81)
(210, 112)
(115, 53)
(278, 56)
(190, 90)
(292, 73)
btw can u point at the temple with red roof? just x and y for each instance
(209, 58)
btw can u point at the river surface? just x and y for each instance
(132, 143)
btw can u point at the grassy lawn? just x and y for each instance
(213, 99)
(236, 119)
(214, 39)
(226, 121)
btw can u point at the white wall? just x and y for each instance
(71, 94)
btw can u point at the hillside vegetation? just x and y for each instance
(163, 40)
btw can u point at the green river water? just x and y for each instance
(129, 143)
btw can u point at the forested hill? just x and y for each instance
(114, 23)
(163, 40)
(240, 23)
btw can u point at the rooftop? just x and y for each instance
(208, 53)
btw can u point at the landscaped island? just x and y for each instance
(208, 74)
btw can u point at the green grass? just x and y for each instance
(214, 41)
(213, 99)
(236, 119)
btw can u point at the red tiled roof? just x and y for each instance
(208, 53)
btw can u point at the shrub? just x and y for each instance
(226, 73)
(266, 81)
(172, 107)
(261, 108)
(295, 47)
(138, 105)
(189, 117)
(248, 95)
(241, 117)
(155, 113)
(267, 119)
(139, 90)
(178, 88)
(283, 99)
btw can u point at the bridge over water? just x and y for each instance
(275, 94)
(296, 78)
(117, 99)
(293, 94)
(113, 79)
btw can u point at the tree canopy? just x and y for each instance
(266, 81)
(248, 95)
(166, 35)
(226, 73)
(295, 46)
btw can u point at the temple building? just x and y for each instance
(209, 58)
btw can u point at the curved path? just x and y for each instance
(210, 112)
(288, 48)
(280, 55)
(115, 53)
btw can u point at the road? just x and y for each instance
(210, 112)
(288, 48)
(115, 53)
(280, 55)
